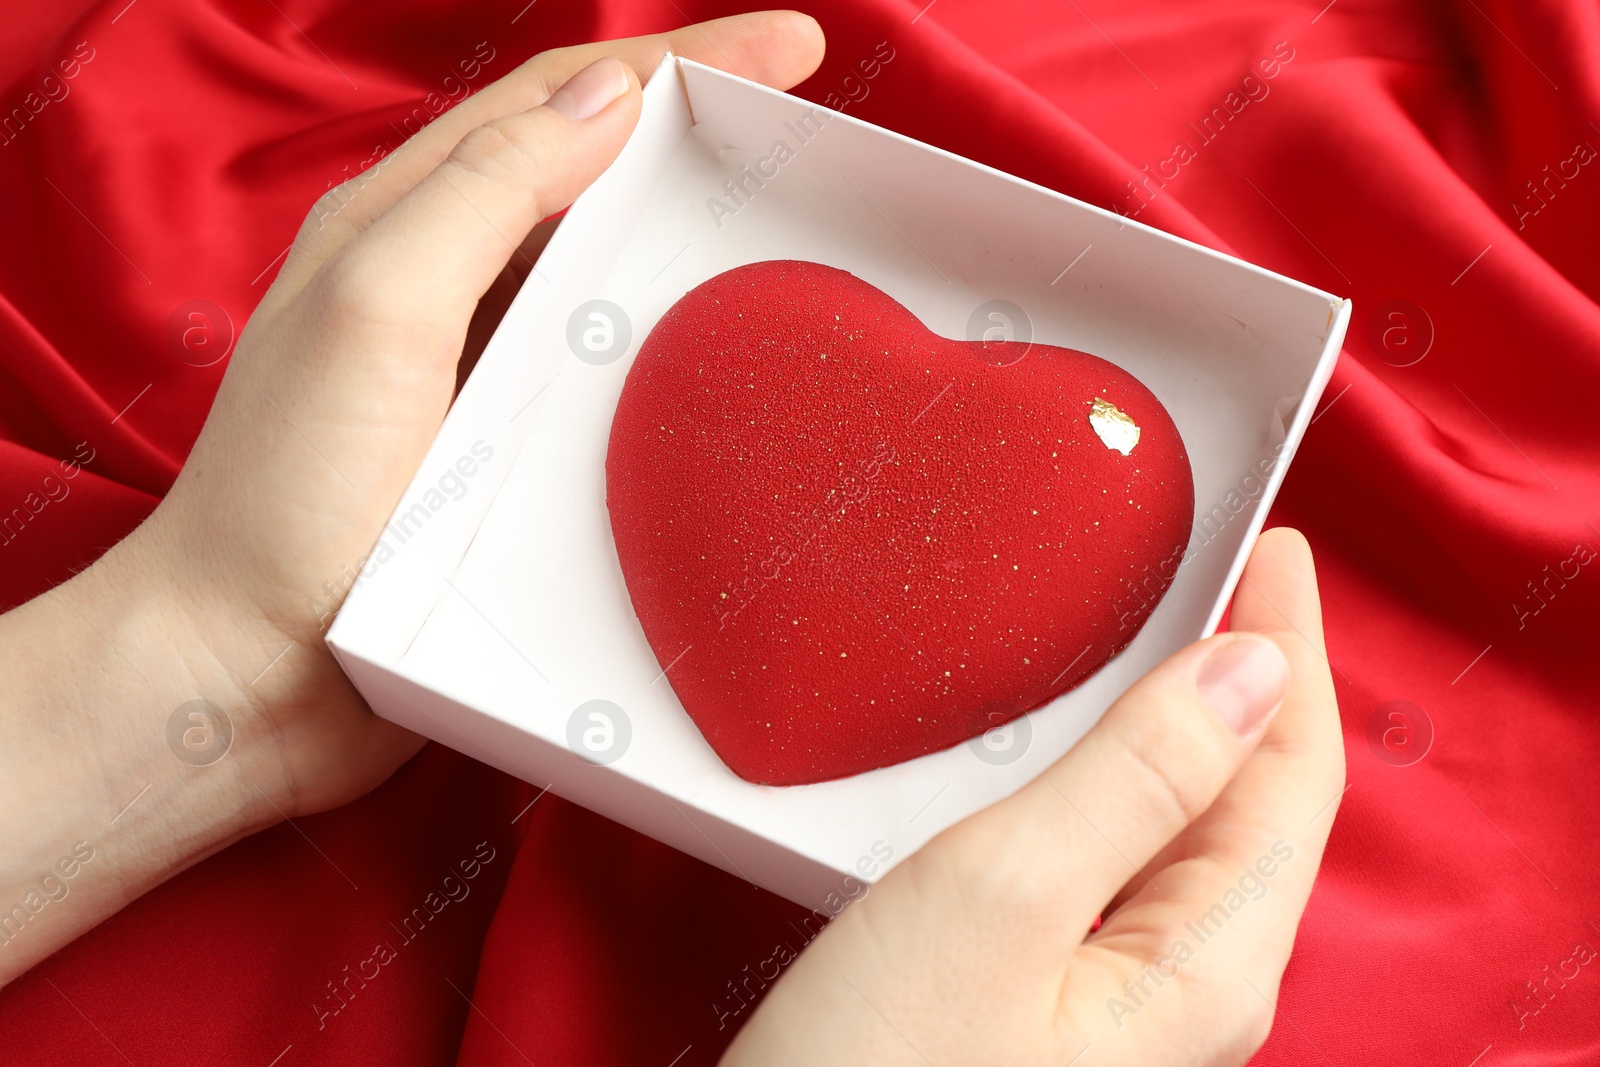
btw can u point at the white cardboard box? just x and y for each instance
(494, 608)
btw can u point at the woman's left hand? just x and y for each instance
(332, 397)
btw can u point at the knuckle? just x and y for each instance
(326, 208)
(548, 66)
(503, 149)
(323, 208)
(1005, 876)
(350, 287)
(339, 205)
(356, 293)
(1163, 758)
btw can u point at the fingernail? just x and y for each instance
(587, 92)
(1243, 681)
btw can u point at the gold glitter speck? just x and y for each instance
(1113, 426)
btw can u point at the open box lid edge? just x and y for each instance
(1332, 301)
(1340, 321)
(792, 872)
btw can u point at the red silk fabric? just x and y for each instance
(1433, 160)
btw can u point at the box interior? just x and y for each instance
(503, 609)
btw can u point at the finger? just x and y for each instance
(1277, 593)
(1278, 590)
(1290, 788)
(776, 48)
(1223, 914)
(424, 265)
(1280, 574)
(1048, 859)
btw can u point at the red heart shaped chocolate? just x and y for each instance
(851, 541)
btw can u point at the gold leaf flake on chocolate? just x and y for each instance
(1114, 427)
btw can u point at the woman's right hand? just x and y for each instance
(1192, 818)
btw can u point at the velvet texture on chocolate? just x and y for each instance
(852, 542)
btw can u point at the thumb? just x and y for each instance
(990, 915)
(1064, 844)
(332, 400)
(443, 244)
